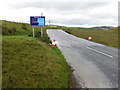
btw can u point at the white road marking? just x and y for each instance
(99, 52)
(114, 75)
(117, 85)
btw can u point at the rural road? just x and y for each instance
(95, 65)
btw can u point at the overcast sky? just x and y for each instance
(62, 12)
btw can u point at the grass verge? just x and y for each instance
(106, 37)
(30, 63)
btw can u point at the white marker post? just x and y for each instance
(41, 32)
(41, 27)
(33, 32)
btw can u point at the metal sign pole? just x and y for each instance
(33, 32)
(41, 32)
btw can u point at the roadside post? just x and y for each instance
(37, 21)
(33, 32)
(41, 32)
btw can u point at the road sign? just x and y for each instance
(37, 21)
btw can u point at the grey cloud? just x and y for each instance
(104, 16)
(85, 21)
(60, 6)
(78, 21)
(70, 8)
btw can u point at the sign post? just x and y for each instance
(41, 32)
(37, 21)
(33, 32)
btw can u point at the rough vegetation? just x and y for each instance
(31, 62)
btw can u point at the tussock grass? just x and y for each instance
(30, 63)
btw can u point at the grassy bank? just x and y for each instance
(30, 63)
(14, 28)
(106, 37)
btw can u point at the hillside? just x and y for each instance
(103, 27)
(31, 62)
(13, 28)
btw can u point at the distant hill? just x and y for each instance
(54, 26)
(102, 27)
(98, 27)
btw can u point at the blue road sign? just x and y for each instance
(37, 21)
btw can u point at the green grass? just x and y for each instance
(13, 28)
(31, 63)
(106, 37)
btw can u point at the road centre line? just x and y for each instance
(99, 52)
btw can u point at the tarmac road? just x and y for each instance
(95, 65)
